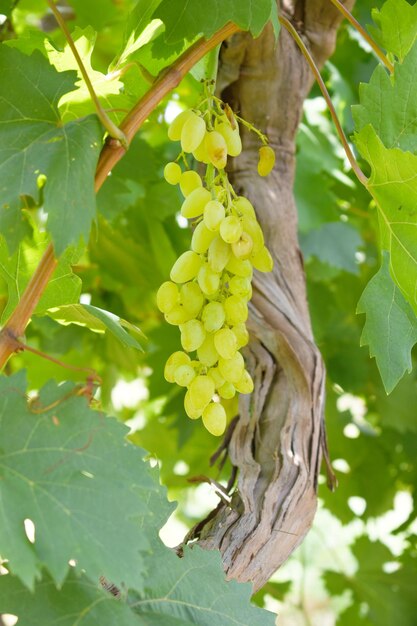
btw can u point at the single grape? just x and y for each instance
(186, 267)
(175, 128)
(192, 335)
(231, 229)
(232, 369)
(218, 254)
(213, 214)
(241, 334)
(172, 173)
(207, 352)
(178, 315)
(189, 181)
(208, 280)
(213, 316)
(214, 418)
(236, 310)
(216, 148)
(192, 133)
(184, 374)
(214, 373)
(201, 391)
(200, 153)
(202, 238)
(231, 136)
(192, 411)
(167, 296)
(242, 248)
(266, 160)
(174, 361)
(244, 207)
(251, 226)
(239, 267)
(225, 343)
(245, 384)
(263, 261)
(191, 298)
(194, 203)
(239, 286)
(227, 391)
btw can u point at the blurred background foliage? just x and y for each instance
(358, 564)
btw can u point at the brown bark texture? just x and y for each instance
(279, 438)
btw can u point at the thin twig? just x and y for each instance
(351, 158)
(113, 130)
(348, 15)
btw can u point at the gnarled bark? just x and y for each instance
(278, 439)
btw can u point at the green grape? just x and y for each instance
(192, 335)
(266, 160)
(208, 280)
(186, 267)
(231, 137)
(172, 173)
(192, 412)
(214, 373)
(239, 286)
(194, 203)
(244, 207)
(176, 126)
(174, 361)
(216, 148)
(192, 133)
(263, 261)
(189, 181)
(242, 248)
(232, 369)
(167, 296)
(200, 153)
(225, 343)
(236, 310)
(201, 391)
(184, 374)
(202, 238)
(213, 316)
(241, 334)
(245, 383)
(178, 315)
(227, 391)
(251, 226)
(218, 254)
(240, 267)
(213, 214)
(214, 418)
(207, 353)
(192, 298)
(231, 229)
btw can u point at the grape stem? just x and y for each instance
(113, 130)
(348, 15)
(112, 153)
(351, 158)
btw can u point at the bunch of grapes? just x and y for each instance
(210, 286)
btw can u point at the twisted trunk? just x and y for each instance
(278, 440)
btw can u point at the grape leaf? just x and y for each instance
(97, 320)
(69, 470)
(185, 19)
(389, 104)
(393, 184)
(334, 243)
(63, 288)
(390, 329)
(397, 26)
(34, 142)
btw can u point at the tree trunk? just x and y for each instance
(278, 440)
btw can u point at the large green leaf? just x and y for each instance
(389, 104)
(393, 184)
(334, 243)
(69, 470)
(390, 329)
(397, 26)
(185, 19)
(35, 143)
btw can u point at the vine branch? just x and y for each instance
(351, 157)
(348, 15)
(112, 153)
